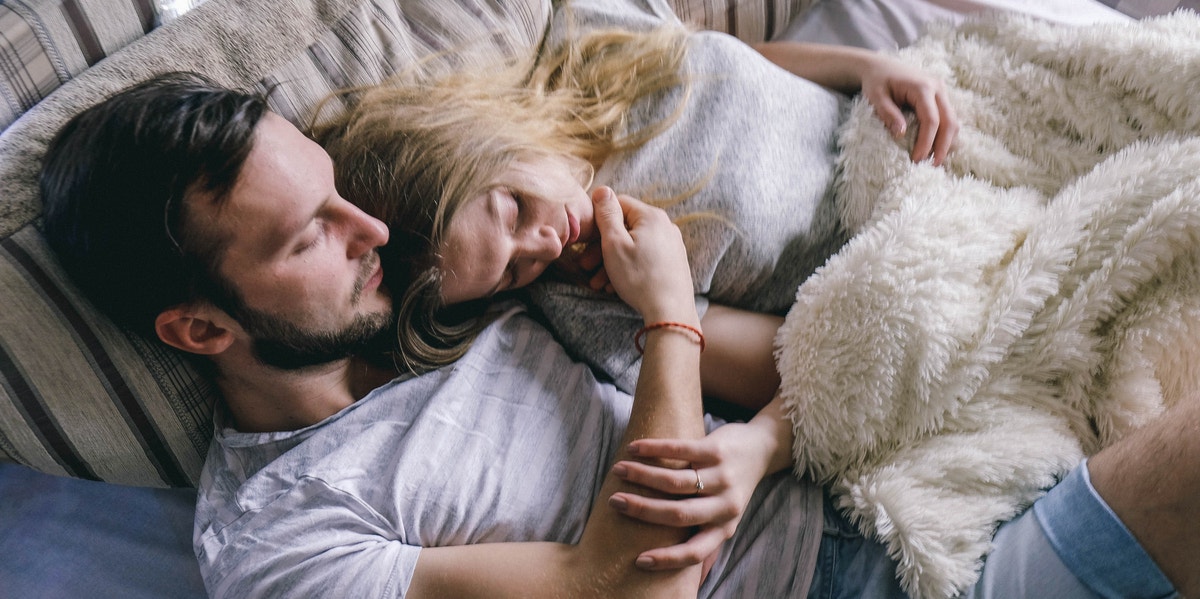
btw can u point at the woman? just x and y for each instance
(483, 177)
(483, 174)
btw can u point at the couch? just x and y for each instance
(102, 432)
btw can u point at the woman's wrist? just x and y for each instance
(683, 311)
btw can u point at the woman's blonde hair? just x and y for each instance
(412, 150)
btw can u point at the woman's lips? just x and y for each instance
(572, 229)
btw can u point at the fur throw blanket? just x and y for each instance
(994, 321)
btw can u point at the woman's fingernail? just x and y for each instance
(633, 450)
(620, 470)
(618, 503)
(645, 562)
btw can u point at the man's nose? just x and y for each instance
(365, 232)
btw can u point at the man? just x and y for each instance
(192, 212)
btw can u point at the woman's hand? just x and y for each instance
(889, 85)
(730, 462)
(644, 257)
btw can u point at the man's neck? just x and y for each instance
(265, 399)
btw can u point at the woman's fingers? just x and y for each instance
(608, 214)
(695, 451)
(689, 553)
(947, 130)
(678, 513)
(889, 113)
(672, 481)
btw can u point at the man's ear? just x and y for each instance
(192, 330)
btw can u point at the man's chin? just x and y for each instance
(297, 349)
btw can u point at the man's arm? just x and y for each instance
(1151, 480)
(648, 267)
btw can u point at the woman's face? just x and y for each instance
(507, 236)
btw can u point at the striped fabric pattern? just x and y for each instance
(748, 20)
(44, 43)
(78, 396)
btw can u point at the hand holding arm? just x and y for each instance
(885, 82)
(730, 461)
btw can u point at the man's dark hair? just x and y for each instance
(116, 183)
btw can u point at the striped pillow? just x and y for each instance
(45, 43)
(82, 398)
(748, 20)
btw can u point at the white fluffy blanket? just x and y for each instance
(994, 321)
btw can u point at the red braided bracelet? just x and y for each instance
(637, 339)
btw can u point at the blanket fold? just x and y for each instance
(995, 320)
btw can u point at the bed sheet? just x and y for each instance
(891, 24)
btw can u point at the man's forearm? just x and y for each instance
(667, 404)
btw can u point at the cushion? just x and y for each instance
(67, 538)
(47, 42)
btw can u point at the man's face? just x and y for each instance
(302, 259)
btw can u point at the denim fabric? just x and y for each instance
(850, 566)
(1070, 545)
(1109, 560)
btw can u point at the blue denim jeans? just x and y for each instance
(1069, 545)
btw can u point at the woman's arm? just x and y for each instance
(738, 365)
(887, 83)
(648, 268)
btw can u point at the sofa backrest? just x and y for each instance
(78, 395)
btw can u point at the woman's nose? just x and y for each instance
(540, 243)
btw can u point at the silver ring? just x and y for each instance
(699, 483)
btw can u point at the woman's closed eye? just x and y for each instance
(514, 217)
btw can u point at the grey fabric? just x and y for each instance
(760, 141)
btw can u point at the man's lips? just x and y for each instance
(374, 280)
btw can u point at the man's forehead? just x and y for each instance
(282, 182)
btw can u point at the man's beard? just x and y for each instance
(286, 345)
